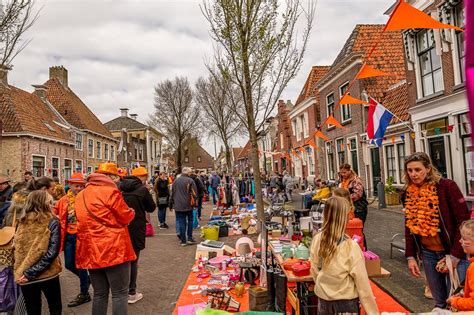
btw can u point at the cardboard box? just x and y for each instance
(204, 251)
(373, 267)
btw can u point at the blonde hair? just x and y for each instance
(433, 176)
(467, 229)
(37, 207)
(343, 193)
(335, 214)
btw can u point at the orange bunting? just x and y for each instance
(407, 17)
(349, 100)
(313, 144)
(332, 121)
(301, 149)
(321, 135)
(368, 72)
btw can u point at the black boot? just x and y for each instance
(80, 299)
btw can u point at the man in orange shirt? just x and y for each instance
(66, 211)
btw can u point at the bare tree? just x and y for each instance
(213, 95)
(16, 17)
(257, 49)
(176, 115)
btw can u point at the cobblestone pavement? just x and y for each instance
(164, 267)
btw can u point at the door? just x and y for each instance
(438, 155)
(376, 178)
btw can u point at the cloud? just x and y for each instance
(117, 51)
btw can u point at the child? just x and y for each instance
(466, 302)
(37, 243)
(338, 266)
(344, 193)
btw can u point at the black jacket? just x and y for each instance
(162, 187)
(137, 197)
(6, 194)
(199, 186)
(50, 255)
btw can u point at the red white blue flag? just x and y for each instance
(379, 119)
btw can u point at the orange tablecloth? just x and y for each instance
(384, 301)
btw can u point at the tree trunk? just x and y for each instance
(178, 157)
(227, 157)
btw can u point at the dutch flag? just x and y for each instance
(379, 119)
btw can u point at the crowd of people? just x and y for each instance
(99, 222)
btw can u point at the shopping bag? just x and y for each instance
(195, 219)
(9, 290)
(149, 230)
(456, 285)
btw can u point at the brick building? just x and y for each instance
(436, 87)
(93, 139)
(195, 156)
(305, 117)
(348, 145)
(244, 160)
(34, 136)
(139, 144)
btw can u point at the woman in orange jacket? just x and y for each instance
(103, 241)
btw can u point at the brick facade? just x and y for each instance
(283, 139)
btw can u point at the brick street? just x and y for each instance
(164, 267)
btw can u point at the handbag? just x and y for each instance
(6, 243)
(162, 201)
(149, 230)
(192, 196)
(456, 285)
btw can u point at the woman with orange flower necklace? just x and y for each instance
(434, 211)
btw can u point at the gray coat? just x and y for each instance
(180, 193)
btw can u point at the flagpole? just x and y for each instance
(404, 122)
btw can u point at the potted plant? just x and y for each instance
(391, 194)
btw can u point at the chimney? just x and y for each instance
(40, 91)
(134, 116)
(124, 112)
(4, 74)
(59, 73)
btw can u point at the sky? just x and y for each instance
(116, 51)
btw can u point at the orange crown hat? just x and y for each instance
(107, 169)
(139, 171)
(122, 172)
(76, 178)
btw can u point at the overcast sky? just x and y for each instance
(116, 51)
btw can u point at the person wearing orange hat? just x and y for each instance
(137, 196)
(103, 240)
(65, 209)
(122, 172)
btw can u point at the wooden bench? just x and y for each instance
(398, 242)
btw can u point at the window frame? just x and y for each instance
(90, 153)
(391, 167)
(82, 166)
(81, 142)
(344, 108)
(66, 177)
(98, 152)
(58, 168)
(461, 60)
(330, 105)
(106, 151)
(112, 153)
(352, 152)
(401, 161)
(43, 173)
(430, 51)
(330, 161)
(340, 144)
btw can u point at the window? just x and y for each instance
(67, 169)
(55, 167)
(140, 153)
(136, 151)
(78, 167)
(293, 127)
(346, 113)
(340, 152)
(281, 140)
(186, 159)
(330, 104)
(401, 161)
(98, 150)
(106, 151)
(305, 125)
(460, 21)
(38, 166)
(112, 153)
(310, 160)
(90, 148)
(89, 170)
(330, 157)
(430, 63)
(391, 163)
(298, 128)
(78, 141)
(199, 159)
(353, 155)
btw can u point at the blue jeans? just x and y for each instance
(162, 214)
(439, 282)
(184, 225)
(214, 195)
(70, 262)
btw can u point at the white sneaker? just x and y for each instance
(132, 299)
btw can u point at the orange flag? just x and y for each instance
(332, 121)
(312, 144)
(347, 99)
(407, 17)
(369, 72)
(321, 135)
(302, 150)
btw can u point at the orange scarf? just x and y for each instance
(422, 210)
